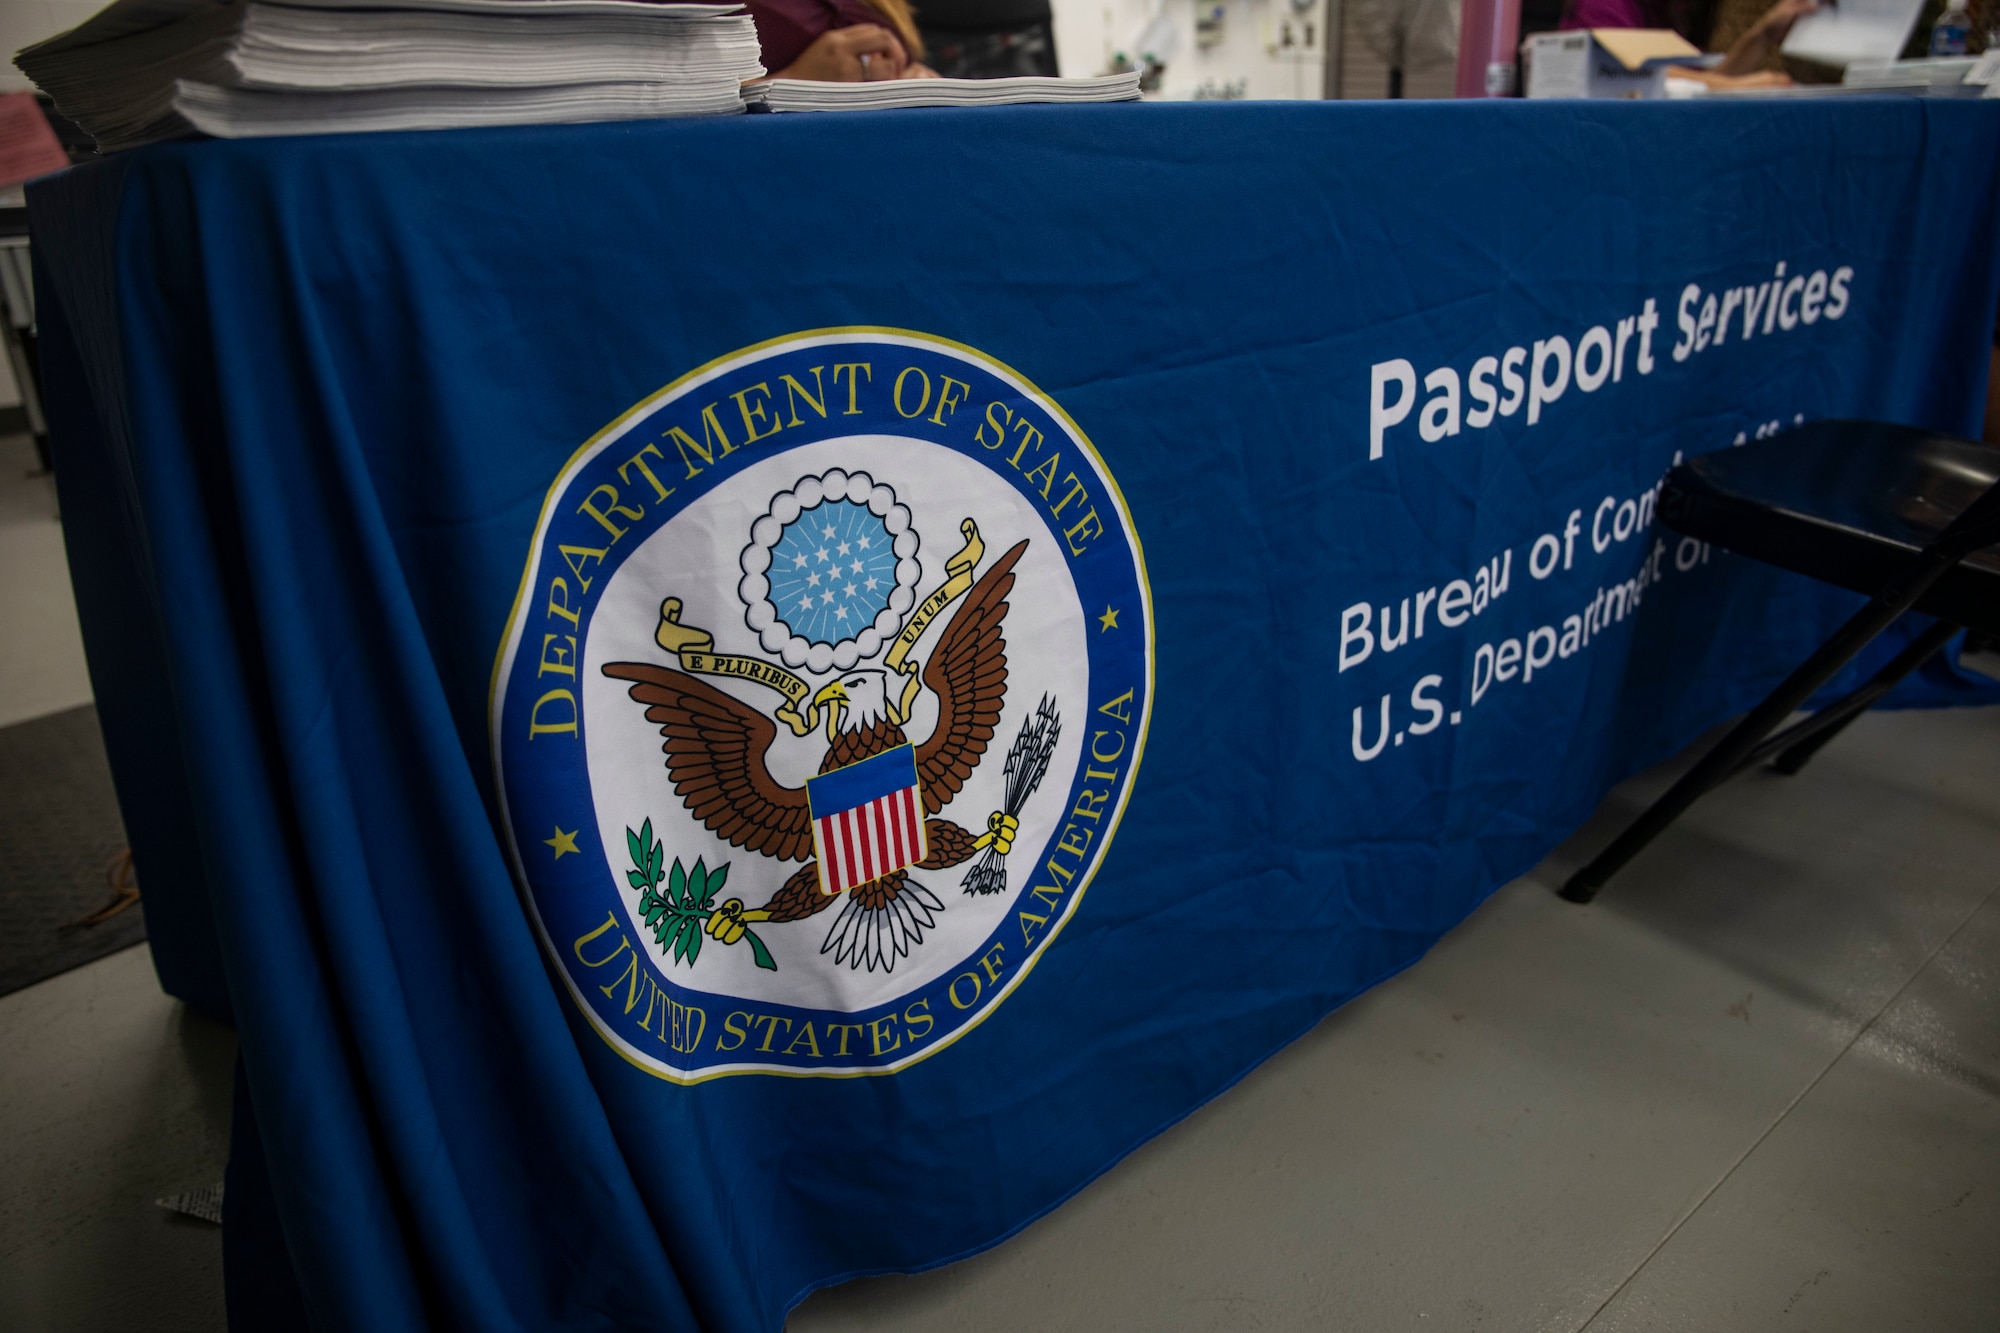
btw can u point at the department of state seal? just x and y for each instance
(821, 700)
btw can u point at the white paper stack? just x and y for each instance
(1940, 73)
(1946, 76)
(144, 70)
(803, 95)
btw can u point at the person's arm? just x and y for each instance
(853, 54)
(1754, 47)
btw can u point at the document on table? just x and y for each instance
(810, 95)
(1840, 33)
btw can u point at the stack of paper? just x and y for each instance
(803, 95)
(1942, 73)
(144, 70)
(1947, 76)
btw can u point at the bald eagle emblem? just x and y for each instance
(829, 580)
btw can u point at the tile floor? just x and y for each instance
(113, 1096)
(1756, 1086)
(41, 648)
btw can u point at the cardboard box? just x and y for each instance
(1604, 62)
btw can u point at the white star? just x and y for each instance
(844, 548)
(857, 566)
(840, 613)
(850, 590)
(812, 580)
(799, 561)
(806, 606)
(827, 530)
(865, 543)
(873, 584)
(821, 553)
(826, 598)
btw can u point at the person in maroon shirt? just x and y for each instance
(839, 41)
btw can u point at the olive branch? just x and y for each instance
(677, 911)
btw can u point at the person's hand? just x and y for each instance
(1779, 18)
(918, 70)
(849, 55)
(1754, 47)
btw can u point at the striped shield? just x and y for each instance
(867, 819)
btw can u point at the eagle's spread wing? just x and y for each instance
(715, 749)
(968, 673)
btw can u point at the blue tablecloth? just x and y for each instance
(422, 490)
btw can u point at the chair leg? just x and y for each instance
(1723, 760)
(1794, 753)
(1976, 527)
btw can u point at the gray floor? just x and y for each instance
(114, 1096)
(41, 648)
(1756, 1087)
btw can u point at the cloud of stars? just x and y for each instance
(832, 571)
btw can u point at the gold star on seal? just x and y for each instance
(562, 842)
(1109, 620)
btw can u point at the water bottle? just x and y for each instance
(1949, 32)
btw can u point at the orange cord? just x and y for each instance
(119, 877)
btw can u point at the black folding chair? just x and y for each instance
(1902, 514)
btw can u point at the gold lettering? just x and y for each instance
(806, 1036)
(1099, 775)
(690, 1022)
(1120, 708)
(947, 403)
(754, 412)
(1068, 843)
(631, 975)
(991, 961)
(559, 600)
(875, 1031)
(771, 1033)
(972, 977)
(1075, 490)
(656, 1000)
(795, 391)
(999, 427)
(1028, 931)
(610, 923)
(842, 1028)
(1090, 804)
(1054, 897)
(1097, 752)
(896, 394)
(853, 410)
(1047, 465)
(1057, 872)
(711, 435)
(571, 554)
(537, 727)
(564, 662)
(1089, 522)
(919, 1012)
(1027, 431)
(660, 490)
(731, 1028)
(626, 511)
